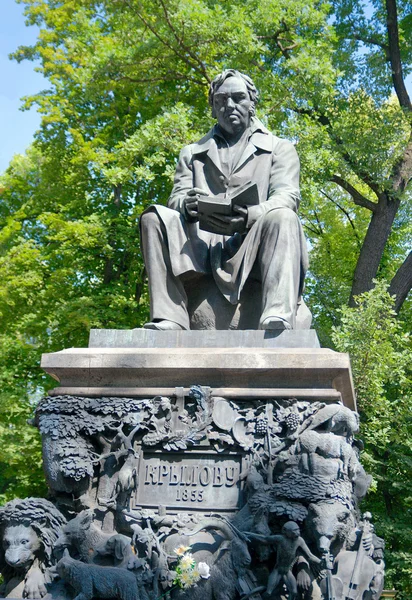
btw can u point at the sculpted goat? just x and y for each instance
(228, 567)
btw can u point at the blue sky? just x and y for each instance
(16, 127)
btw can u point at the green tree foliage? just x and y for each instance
(128, 83)
(381, 355)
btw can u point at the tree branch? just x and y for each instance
(401, 283)
(373, 246)
(346, 213)
(315, 231)
(395, 55)
(165, 43)
(159, 79)
(325, 121)
(276, 36)
(318, 222)
(286, 49)
(402, 170)
(372, 41)
(366, 178)
(357, 197)
(184, 47)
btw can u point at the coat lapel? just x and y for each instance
(260, 139)
(207, 145)
(257, 140)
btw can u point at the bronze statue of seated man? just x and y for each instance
(231, 222)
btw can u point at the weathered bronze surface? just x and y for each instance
(204, 465)
(241, 266)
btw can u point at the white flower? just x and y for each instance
(187, 562)
(185, 579)
(203, 570)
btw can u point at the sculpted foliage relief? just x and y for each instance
(194, 497)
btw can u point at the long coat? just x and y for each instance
(270, 162)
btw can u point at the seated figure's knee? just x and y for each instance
(279, 219)
(149, 220)
(280, 215)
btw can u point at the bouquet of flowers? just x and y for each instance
(188, 572)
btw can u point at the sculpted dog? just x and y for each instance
(93, 581)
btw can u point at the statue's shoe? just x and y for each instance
(275, 324)
(163, 326)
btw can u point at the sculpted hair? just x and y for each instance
(218, 81)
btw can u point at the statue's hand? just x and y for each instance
(303, 580)
(231, 224)
(190, 203)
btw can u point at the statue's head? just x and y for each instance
(233, 97)
(291, 530)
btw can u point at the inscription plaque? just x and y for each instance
(189, 481)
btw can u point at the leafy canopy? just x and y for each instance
(128, 83)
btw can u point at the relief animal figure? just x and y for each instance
(127, 479)
(119, 551)
(229, 567)
(88, 542)
(153, 554)
(328, 445)
(377, 584)
(337, 419)
(329, 523)
(203, 544)
(94, 581)
(355, 570)
(28, 530)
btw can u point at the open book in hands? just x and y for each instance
(224, 205)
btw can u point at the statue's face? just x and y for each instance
(291, 530)
(232, 105)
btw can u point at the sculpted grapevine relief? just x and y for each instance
(135, 479)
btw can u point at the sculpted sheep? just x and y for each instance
(328, 445)
(28, 530)
(93, 581)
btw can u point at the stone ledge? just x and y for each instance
(146, 338)
(274, 369)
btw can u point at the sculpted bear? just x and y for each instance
(329, 522)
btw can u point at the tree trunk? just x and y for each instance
(373, 246)
(401, 284)
(109, 273)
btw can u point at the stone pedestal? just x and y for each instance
(237, 364)
(239, 444)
